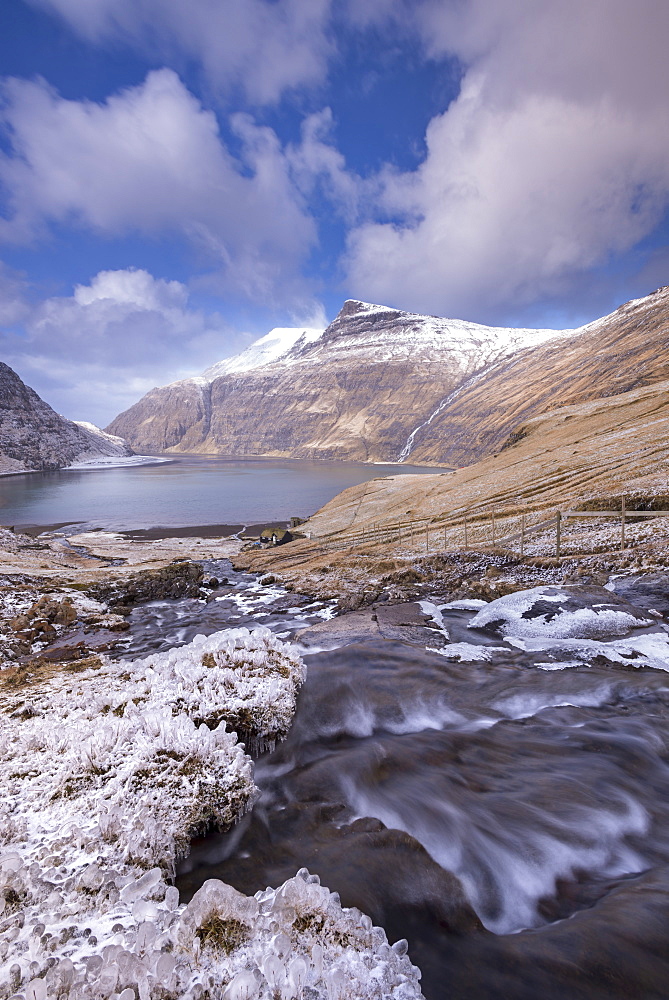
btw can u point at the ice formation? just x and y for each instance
(646, 650)
(106, 770)
(466, 651)
(566, 612)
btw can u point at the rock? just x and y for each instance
(356, 626)
(179, 579)
(561, 612)
(406, 622)
(46, 610)
(80, 643)
(33, 437)
(647, 590)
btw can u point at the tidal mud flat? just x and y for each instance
(484, 776)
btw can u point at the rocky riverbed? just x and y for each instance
(476, 763)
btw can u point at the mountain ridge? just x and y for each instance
(353, 392)
(612, 355)
(34, 438)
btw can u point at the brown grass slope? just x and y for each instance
(620, 352)
(589, 454)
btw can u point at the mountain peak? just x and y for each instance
(33, 437)
(353, 307)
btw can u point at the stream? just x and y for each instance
(508, 815)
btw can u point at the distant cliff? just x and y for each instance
(626, 350)
(35, 438)
(383, 385)
(354, 391)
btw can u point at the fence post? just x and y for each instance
(493, 529)
(622, 525)
(558, 525)
(522, 536)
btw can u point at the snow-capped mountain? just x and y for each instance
(375, 385)
(383, 335)
(274, 345)
(622, 351)
(33, 437)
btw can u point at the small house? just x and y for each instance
(275, 536)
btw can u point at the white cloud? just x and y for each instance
(316, 163)
(554, 156)
(151, 159)
(122, 319)
(97, 351)
(94, 353)
(263, 47)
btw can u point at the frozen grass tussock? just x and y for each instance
(106, 771)
(249, 680)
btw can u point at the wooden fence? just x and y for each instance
(477, 528)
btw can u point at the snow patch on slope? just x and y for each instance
(381, 334)
(117, 462)
(402, 336)
(268, 349)
(113, 439)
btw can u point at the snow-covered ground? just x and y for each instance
(560, 613)
(117, 461)
(106, 771)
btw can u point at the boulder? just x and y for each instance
(645, 590)
(561, 612)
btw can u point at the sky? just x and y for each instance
(178, 178)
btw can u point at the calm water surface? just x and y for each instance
(187, 491)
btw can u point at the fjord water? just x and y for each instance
(186, 491)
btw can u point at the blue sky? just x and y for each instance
(176, 179)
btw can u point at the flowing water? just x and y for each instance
(511, 821)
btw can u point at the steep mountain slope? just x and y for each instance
(383, 385)
(33, 437)
(271, 347)
(627, 349)
(354, 392)
(594, 452)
